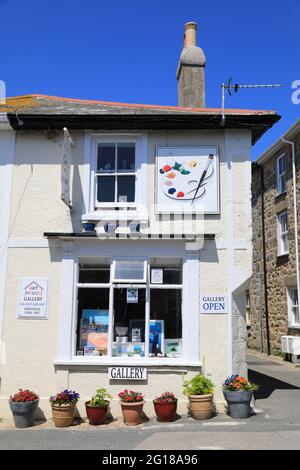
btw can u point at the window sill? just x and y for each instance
(294, 327)
(282, 255)
(280, 196)
(113, 214)
(126, 362)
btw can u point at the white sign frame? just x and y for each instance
(208, 196)
(42, 283)
(214, 304)
(157, 276)
(127, 373)
(66, 159)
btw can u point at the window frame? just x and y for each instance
(279, 176)
(281, 234)
(291, 316)
(94, 210)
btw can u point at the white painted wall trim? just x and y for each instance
(7, 148)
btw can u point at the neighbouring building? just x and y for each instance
(157, 290)
(273, 295)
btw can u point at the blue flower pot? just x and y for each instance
(88, 226)
(238, 403)
(23, 412)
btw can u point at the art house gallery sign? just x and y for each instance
(33, 298)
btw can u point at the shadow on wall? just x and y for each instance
(267, 384)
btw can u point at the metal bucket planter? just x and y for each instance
(201, 406)
(23, 412)
(238, 403)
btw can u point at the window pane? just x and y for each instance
(129, 323)
(165, 323)
(94, 274)
(129, 270)
(126, 188)
(92, 324)
(106, 157)
(106, 189)
(126, 157)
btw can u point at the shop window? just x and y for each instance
(122, 313)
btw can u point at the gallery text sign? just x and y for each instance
(127, 373)
(213, 303)
(33, 298)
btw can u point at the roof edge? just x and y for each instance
(278, 144)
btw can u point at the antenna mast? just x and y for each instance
(228, 86)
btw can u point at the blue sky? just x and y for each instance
(128, 50)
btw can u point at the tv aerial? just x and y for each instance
(235, 87)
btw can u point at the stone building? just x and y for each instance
(273, 294)
(155, 284)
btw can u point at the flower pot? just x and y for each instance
(132, 412)
(165, 411)
(201, 406)
(238, 403)
(63, 415)
(88, 226)
(96, 414)
(23, 412)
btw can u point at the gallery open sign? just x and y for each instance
(127, 373)
(213, 303)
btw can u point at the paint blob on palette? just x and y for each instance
(180, 180)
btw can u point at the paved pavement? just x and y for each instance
(275, 426)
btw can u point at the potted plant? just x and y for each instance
(199, 391)
(132, 406)
(23, 405)
(238, 392)
(97, 407)
(63, 408)
(165, 406)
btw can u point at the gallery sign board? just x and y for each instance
(187, 180)
(216, 303)
(127, 373)
(33, 298)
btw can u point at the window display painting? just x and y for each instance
(156, 338)
(132, 295)
(187, 180)
(134, 326)
(94, 328)
(173, 347)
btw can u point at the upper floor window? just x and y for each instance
(282, 233)
(293, 308)
(281, 174)
(115, 174)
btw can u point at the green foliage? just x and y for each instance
(198, 385)
(101, 399)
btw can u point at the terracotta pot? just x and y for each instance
(165, 411)
(201, 406)
(132, 412)
(96, 414)
(23, 412)
(63, 415)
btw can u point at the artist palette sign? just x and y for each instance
(33, 298)
(187, 180)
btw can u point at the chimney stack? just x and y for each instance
(190, 70)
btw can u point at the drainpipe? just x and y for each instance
(292, 144)
(264, 258)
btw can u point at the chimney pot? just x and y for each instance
(190, 29)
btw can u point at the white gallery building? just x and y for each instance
(125, 241)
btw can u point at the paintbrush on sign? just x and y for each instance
(209, 161)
